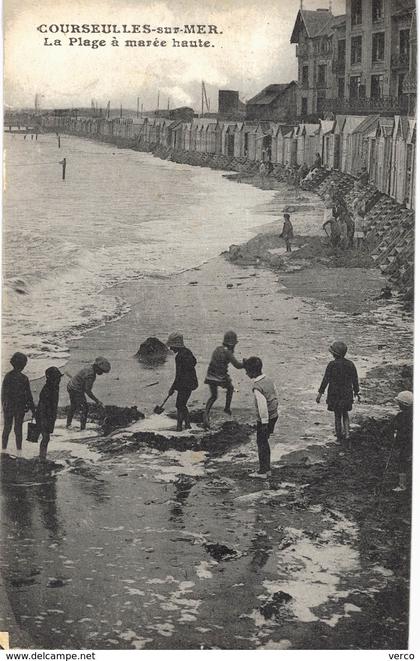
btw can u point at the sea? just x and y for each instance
(119, 215)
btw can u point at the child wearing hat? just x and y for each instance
(217, 374)
(266, 404)
(16, 399)
(81, 385)
(185, 378)
(46, 413)
(343, 382)
(287, 232)
(403, 431)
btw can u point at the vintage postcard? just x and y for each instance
(207, 324)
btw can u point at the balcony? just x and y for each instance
(387, 105)
(400, 60)
(338, 66)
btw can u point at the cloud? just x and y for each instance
(253, 50)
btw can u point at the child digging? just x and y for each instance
(185, 378)
(266, 404)
(342, 381)
(403, 430)
(46, 413)
(16, 399)
(81, 385)
(217, 374)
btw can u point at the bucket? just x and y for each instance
(33, 432)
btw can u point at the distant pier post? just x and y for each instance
(64, 163)
(58, 140)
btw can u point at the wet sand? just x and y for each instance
(142, 548)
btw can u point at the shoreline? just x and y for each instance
(331, 504)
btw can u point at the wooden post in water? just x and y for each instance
(58, 140)
(63, 163)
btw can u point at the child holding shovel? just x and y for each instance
(185, 378)
(342, 381)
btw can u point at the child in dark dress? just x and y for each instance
(46, 413)
(342, 381)
(16, 399)
(185, 378)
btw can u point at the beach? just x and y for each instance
(122, 545)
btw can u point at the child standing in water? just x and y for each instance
(16, 399)
(46, 413)
(266, 404)
(185, 378)
(217, 374)
(342, 381)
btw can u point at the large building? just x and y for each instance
(367, 58)
(320, 40)
(276, 103)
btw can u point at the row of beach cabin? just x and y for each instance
(386, 146)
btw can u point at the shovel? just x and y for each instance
(159, 409)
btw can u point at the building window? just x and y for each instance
(377, 10)
(404, 43)
(321, 96)
(304, 105)
(355, 87)
(377, 87)
(341, 51)
(378, 47)
(356, 12)
(401, 78)
(305, 75)
(356, 50)
(341, 88)
(322, 74)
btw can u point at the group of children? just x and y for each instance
(340, 377)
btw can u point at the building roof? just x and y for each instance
(368, 125)
(352, 123)
(269, 94)
(314, 23)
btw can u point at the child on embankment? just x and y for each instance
(217, 374)
(266, 404)
(185, 378)
(16, 399)
(403, 431)
(343, 382)
(81, 385)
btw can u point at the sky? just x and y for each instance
(252, 50)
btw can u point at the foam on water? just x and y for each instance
(119, 215)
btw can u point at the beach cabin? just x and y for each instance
(383, 154)
(263, 140)
(186, 136)
(399, 159)
(359, 142)
(410, 188)
(239, 140)
(334, 146)
(211, 137)
(250, 143)
(290, 147)
(175, 135)
(279, 134)
(228, 139)
(351, 124)
(326, 127)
